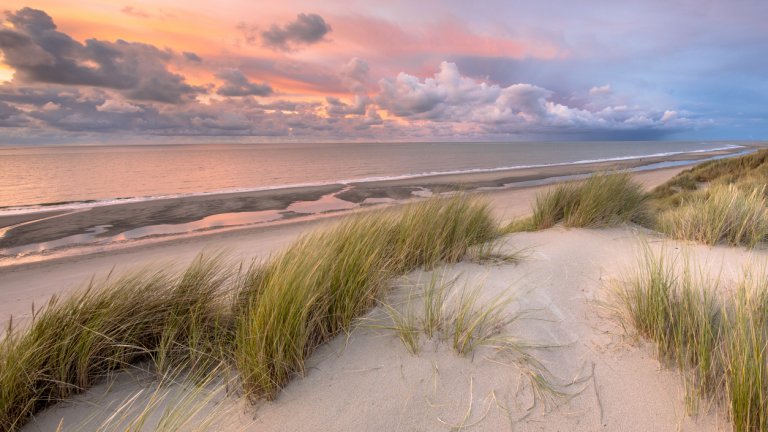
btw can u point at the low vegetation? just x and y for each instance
(262, 321)
(465, 319)
(314, 290)
(743, 171)
(601, 200)
(717, 340)
(720, 214)
(718, 202)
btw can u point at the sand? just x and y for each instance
(368, 381)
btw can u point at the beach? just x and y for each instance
(46, 234)
(561, 282)
(367, 380)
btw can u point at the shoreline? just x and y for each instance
(66, 206)
(51, 234)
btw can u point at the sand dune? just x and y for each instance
(369, 380)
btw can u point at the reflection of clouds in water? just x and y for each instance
(90, 236)
(326, 203)
(209, 222)
(93, 236)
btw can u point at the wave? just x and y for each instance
(76, 205)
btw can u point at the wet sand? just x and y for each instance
(118, 218)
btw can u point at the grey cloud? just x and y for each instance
(41, 54)
(11, 116)
(354, 75)
(336, 107)
(237, 84)
(85, 113)
(250, 32)
(306, 30)
(192, 56)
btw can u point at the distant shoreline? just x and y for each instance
(157, 220)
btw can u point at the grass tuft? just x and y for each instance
(73, 343)
(315, 289)
(718, 341)
(601, 200)
(720, 214)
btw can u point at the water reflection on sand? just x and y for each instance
(95, 236)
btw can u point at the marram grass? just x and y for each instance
(262, 321)
(704, 204)
(601, 200)
(315, 289)
(72, 343)
(720, 214)
(717, 340)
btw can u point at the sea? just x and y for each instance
(64, 177)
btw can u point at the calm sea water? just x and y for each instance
(41, 175)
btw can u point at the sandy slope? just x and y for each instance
(369, 381)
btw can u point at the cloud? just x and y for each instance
(668, 116)
(136, 12)
(336, 107)
(601, 90)
(449, 97)
(250, 32)
(354, 75)
(305, 30)
(10, 116)
(116, 106)
(41, 54)
(192, 56)
(237, 84)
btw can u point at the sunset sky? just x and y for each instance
(245, 71)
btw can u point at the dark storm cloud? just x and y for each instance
(237, 84)
(41, 54)
(306, 30)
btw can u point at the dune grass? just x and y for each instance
(720, 214)
(744, 170)
(315, 289)
(717, 340)
(261, 321)
(72, 343)
(601, 200)
(718, 202)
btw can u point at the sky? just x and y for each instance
(366, 70)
